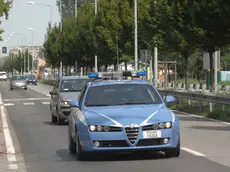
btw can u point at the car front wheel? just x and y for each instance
(72, 144)
(81, 155)
(175, 152)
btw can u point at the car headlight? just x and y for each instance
(64, 103)
(162, 125)
(99, 128)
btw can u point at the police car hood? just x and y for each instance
(125, 115)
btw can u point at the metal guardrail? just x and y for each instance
(224, 100)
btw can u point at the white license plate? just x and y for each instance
(151, 134)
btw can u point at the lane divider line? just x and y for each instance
(8, 138)
(192, 152)
(13, 100)
(46, 103)
(9, 104)
(30, 103)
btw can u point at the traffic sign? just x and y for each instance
(145, 55)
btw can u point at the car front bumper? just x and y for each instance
(119, 142)
(18, 86)
(65, 112)
(31, 82)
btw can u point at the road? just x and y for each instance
(205, 144)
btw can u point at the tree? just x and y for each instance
(4, 10)
(68, 7)
(210, 26)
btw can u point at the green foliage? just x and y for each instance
(4, 11)
(194, 108)
(17, 62)
(182, 30)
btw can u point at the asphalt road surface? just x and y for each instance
(205, 144)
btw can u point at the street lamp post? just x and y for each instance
(96, 67)
(46, 5)
(135, 35)
(32, 31)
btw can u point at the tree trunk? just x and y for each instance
(211, 71)
(126, 68)
(186, 71)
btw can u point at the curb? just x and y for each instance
(198, 116)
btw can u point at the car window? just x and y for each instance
(73, 85)
(18, 78)
(122, 94)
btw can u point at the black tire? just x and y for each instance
(72, 144)
(175, 152)
(53, 119)
(25, 88)
(11, 89)
(80, 155)
(60, 121)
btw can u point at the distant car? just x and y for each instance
(66, 89)
(3, 76)
(31, 79)
(18, 82)
(121, 116)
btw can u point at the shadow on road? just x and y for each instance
(66, 156)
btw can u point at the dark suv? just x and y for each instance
(31, 79)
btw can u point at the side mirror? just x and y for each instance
(52, 93)
(74, 103)
(170, 100)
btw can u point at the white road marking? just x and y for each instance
(13, 166)
(9, 104)
(11, 158)
(192, 151)
(48, 95)
(28, 103)
(8, 139)
(13, 100)
(46, 103)
(198, 116)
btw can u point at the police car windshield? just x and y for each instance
(73, 85)
(122, 94)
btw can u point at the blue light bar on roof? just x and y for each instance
(93, 75)
(141, 73)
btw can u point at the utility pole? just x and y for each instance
(96, 68)
(135, 35)
(60, 70)
(76, 64)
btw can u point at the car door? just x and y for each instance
(53, 97)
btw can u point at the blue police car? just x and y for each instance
(122, 115)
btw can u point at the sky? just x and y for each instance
(23, 15)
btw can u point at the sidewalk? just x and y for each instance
(3, 151)
(41, 88)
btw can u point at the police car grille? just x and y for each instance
(132, 134)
